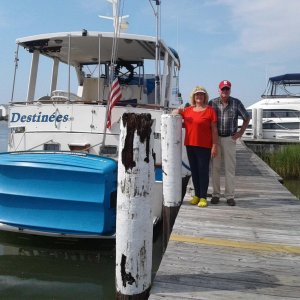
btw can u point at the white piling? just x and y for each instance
(254, 123)
(171, 144)
(259, 123)
(134, 228)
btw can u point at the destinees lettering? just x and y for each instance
(17, 117)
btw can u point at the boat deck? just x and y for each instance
(250, 251)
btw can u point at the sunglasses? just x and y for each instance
(225, 88)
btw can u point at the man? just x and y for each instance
(228, 110)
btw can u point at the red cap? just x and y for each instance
(224, 83)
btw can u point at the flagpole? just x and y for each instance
(116, 22)
(157, 77)
(106, 113)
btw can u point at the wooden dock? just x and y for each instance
(250, 251)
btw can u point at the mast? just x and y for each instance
(157, 78)
(15, 72)
(118, 21)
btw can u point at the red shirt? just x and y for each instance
(198, 131)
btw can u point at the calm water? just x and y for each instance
(293, 186)
(52, 268)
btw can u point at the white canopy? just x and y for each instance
(85, 47)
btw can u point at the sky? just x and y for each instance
(244, 41)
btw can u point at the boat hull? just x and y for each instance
(58, 193)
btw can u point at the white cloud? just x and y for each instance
(265, 26)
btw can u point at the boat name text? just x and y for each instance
(17, 117)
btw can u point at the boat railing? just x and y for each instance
(280, 96)
(64, 101)
(60, 95)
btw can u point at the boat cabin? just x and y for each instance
(67, 111)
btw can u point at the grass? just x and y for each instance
(286, 161)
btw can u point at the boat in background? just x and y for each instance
(3, 112)
(59, 176)
(280, 108)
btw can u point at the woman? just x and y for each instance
(200, 122)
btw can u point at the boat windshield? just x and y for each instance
(287, 85)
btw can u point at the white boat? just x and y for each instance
(3, 112)
(279, 108)
(59, 176)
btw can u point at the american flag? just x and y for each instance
(114, 97)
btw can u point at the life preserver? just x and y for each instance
(127, 76)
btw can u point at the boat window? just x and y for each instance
(279, 113)
(18, 129)
(52, 147)
(109, 150)
(281, 125)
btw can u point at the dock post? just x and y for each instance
(134, 227)
(260, 123)
(254, 123)
(171, 144)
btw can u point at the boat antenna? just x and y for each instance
(15, 72)
(157, 52)
(119, 22)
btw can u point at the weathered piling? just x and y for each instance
(134, 228)
(171, 144)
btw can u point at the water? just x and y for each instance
(293, 185)
(39, 268)
(53, 268)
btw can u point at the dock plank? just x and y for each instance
(250, 251)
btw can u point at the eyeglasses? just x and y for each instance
(225, 88)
